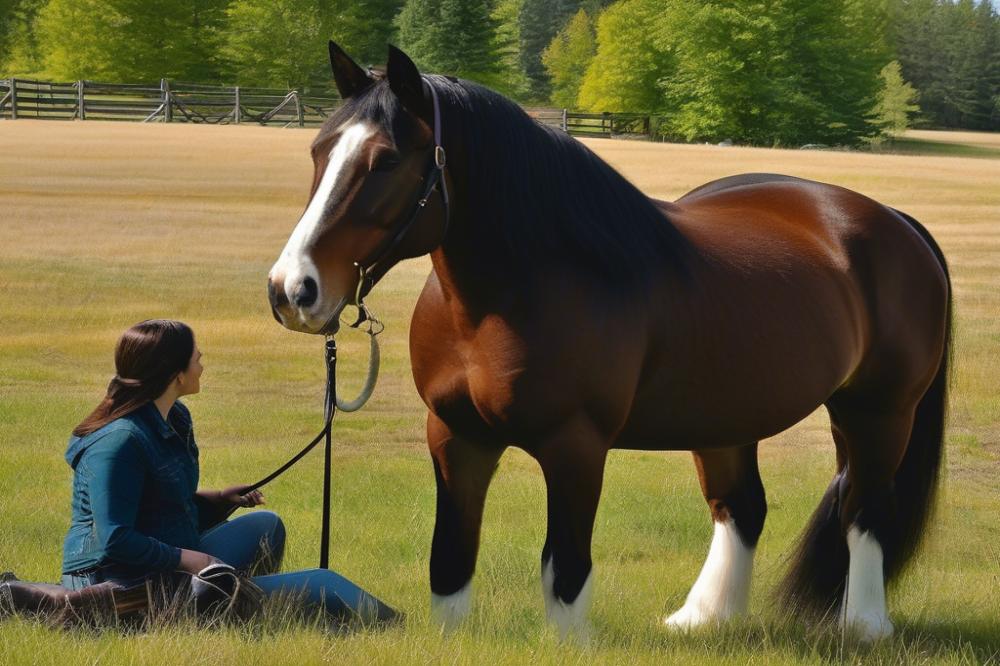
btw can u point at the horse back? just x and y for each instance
(795, 293)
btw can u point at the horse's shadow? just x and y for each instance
(980, 637)
(977, 641)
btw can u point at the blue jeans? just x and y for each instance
(254, 544)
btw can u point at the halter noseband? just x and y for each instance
(432, 178)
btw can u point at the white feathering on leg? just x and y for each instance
(864, 598)
(722, 589)
(569, 619)
(449, 610)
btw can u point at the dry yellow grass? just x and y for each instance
(105, 224)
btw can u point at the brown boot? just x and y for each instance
(104, 603)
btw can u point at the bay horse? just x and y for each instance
(568, 314)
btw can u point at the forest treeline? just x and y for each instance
(755, 71)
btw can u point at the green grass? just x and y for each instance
(108, 224)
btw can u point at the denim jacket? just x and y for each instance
(134, 489)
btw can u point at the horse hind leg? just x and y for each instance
(463, 470)
(731, 483)
(874, 512)
(875, 447)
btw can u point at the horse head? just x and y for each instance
(377, 162)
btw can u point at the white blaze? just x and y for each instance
(294, 264)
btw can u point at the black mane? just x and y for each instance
(537, 196)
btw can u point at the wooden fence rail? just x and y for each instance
(166, 102)
(595, 124)
(171, 101)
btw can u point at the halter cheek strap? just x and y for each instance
(433, 178)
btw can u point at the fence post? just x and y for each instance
(236, 108)
(13, 99)
(298, 109)
(81, 108)
(168, 115)
(565, 127)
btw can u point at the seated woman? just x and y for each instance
(137, 509)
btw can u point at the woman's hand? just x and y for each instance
(193, 561)
(241, 496)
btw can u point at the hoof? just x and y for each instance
(870, 628)
(688, 618)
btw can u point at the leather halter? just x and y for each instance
(433, 177)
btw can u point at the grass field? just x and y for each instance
(102, 225)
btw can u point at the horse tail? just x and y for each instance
(815, 581)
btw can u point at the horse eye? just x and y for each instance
(385, 164)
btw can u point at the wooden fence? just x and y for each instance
(195, 103)
(548, 116)
(167, 102)
(595, 124)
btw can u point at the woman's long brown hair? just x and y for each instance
(148, 357)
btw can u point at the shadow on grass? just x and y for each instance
(905, 146)
(280, 614)
(913, 642)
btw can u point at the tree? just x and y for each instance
(950, 52)
(456, 37)
(774, 71)
(363, 28)
(130, 40)
(512, 82)
(539, 21)
(566, 59)
(982, 63)
(630, 59)
(279, 43)
(19, 54)
(895, 101)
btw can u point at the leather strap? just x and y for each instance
(433, 178)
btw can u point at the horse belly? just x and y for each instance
(746, 364)
(698, 419)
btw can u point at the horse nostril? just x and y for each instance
(307, 293)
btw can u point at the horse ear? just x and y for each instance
(348, 75)
(405, 81)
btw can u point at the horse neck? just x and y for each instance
(467, 273)
(470, 262)
(490, 259)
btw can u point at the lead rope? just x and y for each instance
(329, 410)
(330, 406)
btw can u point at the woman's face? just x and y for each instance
(189, 381)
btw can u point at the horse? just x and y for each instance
(568, 314)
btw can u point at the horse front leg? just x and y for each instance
(572, 461)
(463, 469)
